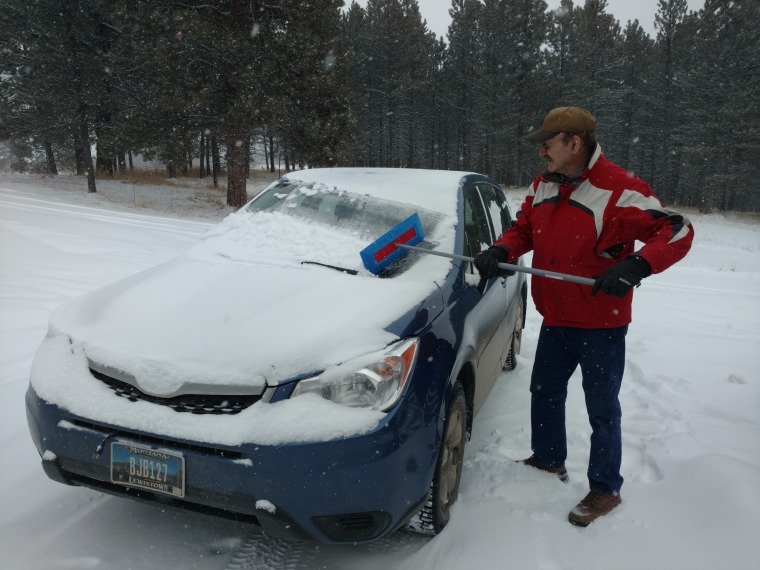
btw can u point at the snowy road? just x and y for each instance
(690, 401)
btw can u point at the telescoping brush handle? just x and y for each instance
(508, 266)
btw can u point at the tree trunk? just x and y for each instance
(236, 183)
(208, 156)
(271, 153)
(247, 154)
(203, 156)
(79, 154)
(216, 162)
(52, 169)
(104, 160)
(84, 136)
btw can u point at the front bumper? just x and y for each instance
(356, 489)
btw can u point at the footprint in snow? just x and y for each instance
(736, 379)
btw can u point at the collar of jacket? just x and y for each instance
(573, 181)
(562, 180)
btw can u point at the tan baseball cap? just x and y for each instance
(563, 120)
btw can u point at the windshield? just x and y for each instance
(365, 217)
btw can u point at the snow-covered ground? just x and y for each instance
(690, 398)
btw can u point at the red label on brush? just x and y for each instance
(390, 248)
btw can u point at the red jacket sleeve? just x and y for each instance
(667, 235)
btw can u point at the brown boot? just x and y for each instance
(593, 506)
(560, 472)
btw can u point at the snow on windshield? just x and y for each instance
(433, 190)
(366, 217)
(293, 222)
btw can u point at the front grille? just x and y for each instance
(192, 403)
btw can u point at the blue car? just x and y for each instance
(267, 375)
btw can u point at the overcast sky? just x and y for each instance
(436, 12)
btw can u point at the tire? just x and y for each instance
(516, 341)
(434, 516)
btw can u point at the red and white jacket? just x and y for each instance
(582, 230)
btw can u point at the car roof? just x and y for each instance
(435, 190)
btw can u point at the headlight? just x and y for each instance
(377, 386)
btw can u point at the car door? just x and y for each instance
(500, 218)
(483, 218)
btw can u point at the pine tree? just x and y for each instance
(464, 72)
(520, 69)
(669, 17)
(58, 73)
(354, 52)
(637, 97)
(317, 122)
(393, 64)
(230, 70)
(721, 130)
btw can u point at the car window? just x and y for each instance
(365, 216)
(477, 228)
(496, 205)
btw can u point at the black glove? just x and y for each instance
(622, 277)
(486, 262)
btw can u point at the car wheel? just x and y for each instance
(516, 341)
(434, 516)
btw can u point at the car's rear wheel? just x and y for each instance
(516, 341)
(445, 487)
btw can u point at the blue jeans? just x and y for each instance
(601, 356)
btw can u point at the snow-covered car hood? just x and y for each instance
(206, 321)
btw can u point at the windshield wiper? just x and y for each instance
(341, 269)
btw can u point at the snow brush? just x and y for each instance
(396, 242)
(384, 250)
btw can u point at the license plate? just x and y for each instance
(156, 470)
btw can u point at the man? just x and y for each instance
(583, 217)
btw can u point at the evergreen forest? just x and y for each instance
(209, 86)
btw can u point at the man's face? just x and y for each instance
(558, 154)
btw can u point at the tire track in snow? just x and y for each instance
(169, 225)
(264, 552)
